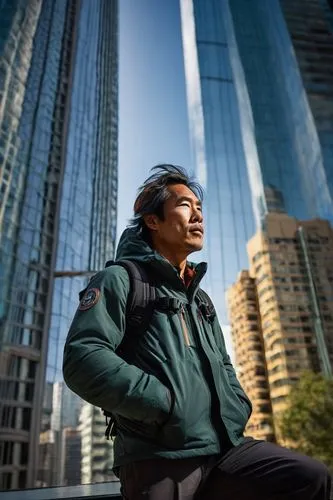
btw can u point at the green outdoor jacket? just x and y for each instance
(176, 394)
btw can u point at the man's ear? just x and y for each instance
(151, 221)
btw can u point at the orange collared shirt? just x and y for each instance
(189, 274)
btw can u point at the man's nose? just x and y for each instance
(197, 215)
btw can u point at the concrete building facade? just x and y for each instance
(96, 451)
(291, 276)
(250, 356)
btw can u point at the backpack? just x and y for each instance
(141, 303)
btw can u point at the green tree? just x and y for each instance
(308, 421)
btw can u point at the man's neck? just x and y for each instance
(179, 264)
(178, 261)
(181, 268)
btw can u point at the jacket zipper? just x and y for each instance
(184, 327)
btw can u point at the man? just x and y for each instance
(179, 408)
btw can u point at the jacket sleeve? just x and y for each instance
(91, 367)
(219, 338)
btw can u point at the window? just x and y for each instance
(6, 480)
(22, 479)
(265, 408)
(8, 416)
(24, 453)
(6, 452)
(263, 395)
(292, 353)
(283, 382)
(276, 369)
(29, 391)
(32, 369)
(26, 419)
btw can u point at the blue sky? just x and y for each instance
(153, 121)
(153, 125)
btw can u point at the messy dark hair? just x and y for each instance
(154, 192)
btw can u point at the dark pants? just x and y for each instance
(255, 470)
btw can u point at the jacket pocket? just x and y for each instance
(143, 428)
(135, 427)
(190, 422)
(172, 433)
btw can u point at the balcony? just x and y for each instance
(96, 491)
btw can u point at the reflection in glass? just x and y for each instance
(58, 188)
(260, 117)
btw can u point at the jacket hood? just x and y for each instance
(132, 246)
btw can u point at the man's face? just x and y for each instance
(181, 230)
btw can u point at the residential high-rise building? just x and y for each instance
(291, 262)
(259, 87)
(250, 355)
(292, 279)
(58, 185)
(96, 451)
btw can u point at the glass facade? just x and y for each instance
(291, 155)
(58, 195)
(253, 121)
(310, 24)
(216, 125)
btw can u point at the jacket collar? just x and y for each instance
(133, 247)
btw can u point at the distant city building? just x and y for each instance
(250, 355)
(65, 407)
(260, 98)
(71, 451)
(58, 197)
(291, 276)
(274, 200)
(96, 451)
(47, 407)
(292, 264)
(48, 467)
(59, 425)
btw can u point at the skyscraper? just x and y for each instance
(310, 25)
(58, 185)
(216, 132)
(96, 451)
(260, 117)
(281, 312)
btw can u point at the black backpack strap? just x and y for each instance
(142, 300)
(205, 305)
(139, 309)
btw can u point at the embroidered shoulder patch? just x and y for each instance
(89, 299)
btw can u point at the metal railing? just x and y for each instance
(95, 491)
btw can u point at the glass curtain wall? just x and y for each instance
(260, 142)
(58, 185)
(220, 157)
